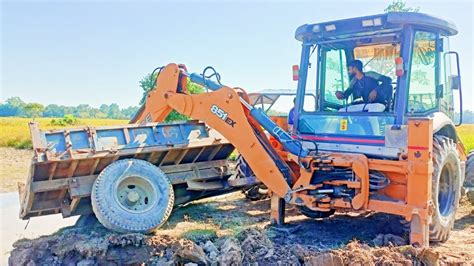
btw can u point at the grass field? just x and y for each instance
(466, 133)
(14, 131)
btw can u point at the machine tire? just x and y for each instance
(469, 179)
(315, 214)
(446, 187)
(132, 196)
(253, 192)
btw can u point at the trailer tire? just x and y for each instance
(469, 179)
(315, 214)
(446, 187)
(132, 196)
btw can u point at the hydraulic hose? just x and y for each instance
(291, 145)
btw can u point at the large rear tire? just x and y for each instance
(132, 196)
(469, 179)
(446, 187)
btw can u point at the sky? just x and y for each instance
(85, 52)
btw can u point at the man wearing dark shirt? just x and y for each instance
(375, 95)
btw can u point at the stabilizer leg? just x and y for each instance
(419, 231)
(277, 214)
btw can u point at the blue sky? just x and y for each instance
(96, 52)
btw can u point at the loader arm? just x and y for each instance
(155, 108)
(222, 110)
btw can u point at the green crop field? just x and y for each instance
(14, 131)
(466, 133)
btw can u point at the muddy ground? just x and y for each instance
(230, 230)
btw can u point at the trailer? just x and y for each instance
(130, 176)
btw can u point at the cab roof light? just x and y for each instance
(330, 27)
(377, 21)
(372, 22)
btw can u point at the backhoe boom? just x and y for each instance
(221, 109)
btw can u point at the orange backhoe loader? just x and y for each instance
(405, 159)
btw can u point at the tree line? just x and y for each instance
(15, 106)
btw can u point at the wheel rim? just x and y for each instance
(135, 194)
(446, 191)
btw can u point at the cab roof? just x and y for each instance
(370, 25)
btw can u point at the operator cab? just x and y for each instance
(410, 49)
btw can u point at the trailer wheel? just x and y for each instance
(469, 179)
(132, 196)
(253, 192)
(315, 214)
(446, 187)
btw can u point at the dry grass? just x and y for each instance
(15, 132)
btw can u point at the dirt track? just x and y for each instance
(14, 167)
(229, 229)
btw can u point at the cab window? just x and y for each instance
(335, 76)
(379, 58)
(422, 85)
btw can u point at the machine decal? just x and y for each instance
(343, 125)
(222, 115)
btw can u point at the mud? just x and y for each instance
(253, 245)
(344, 239)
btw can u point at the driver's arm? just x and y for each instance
(348, 92)
(345, 94)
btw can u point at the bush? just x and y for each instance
(19, 144)
(67, 120)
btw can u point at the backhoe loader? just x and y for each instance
(406, 160)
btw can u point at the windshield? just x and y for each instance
(345, 104)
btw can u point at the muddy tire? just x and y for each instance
(254, 192)
(315, 214)
(469, 179)
(132, 196)
(446, 187)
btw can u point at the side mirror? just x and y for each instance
(296, 72)
(455, 82)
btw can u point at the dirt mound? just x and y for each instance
(98, 246)
(255, 244)
(358, 253)
(325, 242)
(75, 246)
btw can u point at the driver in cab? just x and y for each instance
(375, 90)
